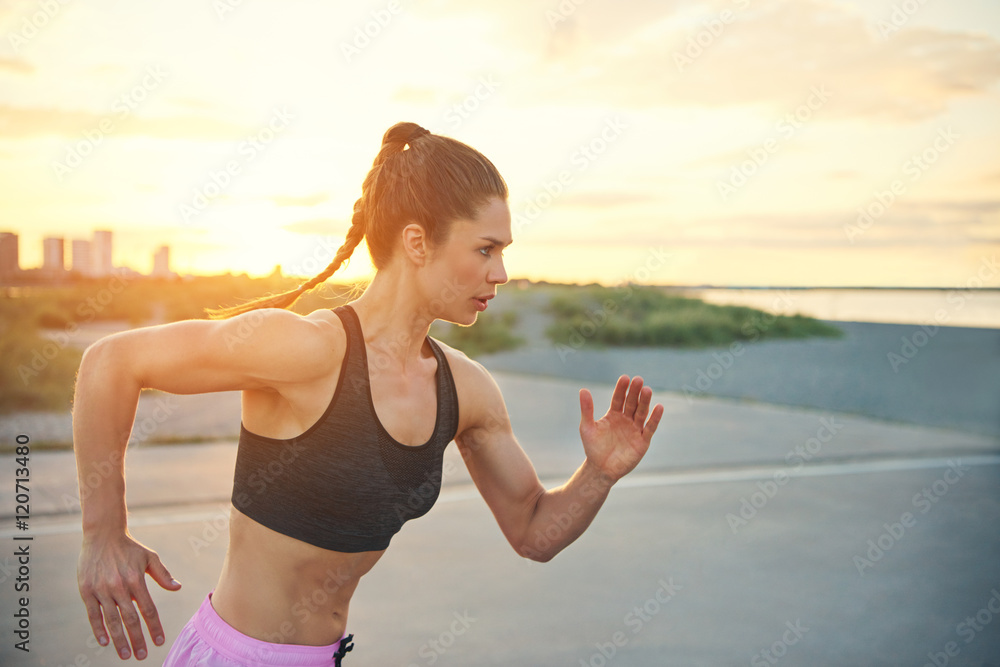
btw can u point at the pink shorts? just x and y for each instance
(208, 641)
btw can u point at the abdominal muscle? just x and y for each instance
(281, 590)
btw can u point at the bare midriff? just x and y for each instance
(284, 591)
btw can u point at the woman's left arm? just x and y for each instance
(536, 522)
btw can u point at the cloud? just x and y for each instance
(774, 54)
(193, 103)
(737, 156)
(323, 226)
(16, 66)
(926, 225)
(409, 94)
(20, 122)
(954, 207)
(108, 70)
(605, 199)
(302, 200)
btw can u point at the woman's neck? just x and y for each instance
(394, 317)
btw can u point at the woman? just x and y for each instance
(345, 417)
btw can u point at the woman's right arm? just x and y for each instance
(265, 349)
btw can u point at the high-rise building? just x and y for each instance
(101, 253)
(161, 262)
(9, 265)
(53, 259)
(82, 260)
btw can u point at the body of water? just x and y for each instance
(943, 307)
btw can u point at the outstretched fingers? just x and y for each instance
(654, 421)
(642, 408)
(637, 407)
(618, 398)
(586, 408)
(632, 402)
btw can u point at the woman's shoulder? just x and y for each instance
(480, 400)
(315, 342)
(324, 329)
(471, 377)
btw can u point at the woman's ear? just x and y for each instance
(416, 245)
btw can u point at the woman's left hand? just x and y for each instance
(616, 442)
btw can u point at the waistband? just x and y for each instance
(232, 643)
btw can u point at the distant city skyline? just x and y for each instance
(90, 258)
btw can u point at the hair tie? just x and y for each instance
(416, 134)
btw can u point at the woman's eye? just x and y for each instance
(486, 251)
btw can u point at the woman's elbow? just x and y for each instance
(93, 356)
(103, 359)
(533, 552)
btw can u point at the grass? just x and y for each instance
(633, 316)
(36, 374)
(490, 333)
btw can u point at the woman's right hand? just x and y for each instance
(112, 576)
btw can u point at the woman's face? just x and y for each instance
(465, 271)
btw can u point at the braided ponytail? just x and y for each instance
(286, 299)
(416, 176)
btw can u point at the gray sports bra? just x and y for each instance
(345, 484)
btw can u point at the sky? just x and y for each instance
(727, 142)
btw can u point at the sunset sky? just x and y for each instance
(671, 142)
